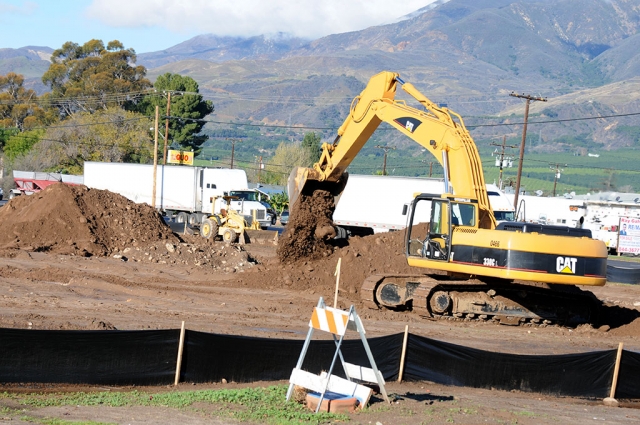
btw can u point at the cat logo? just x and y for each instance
(409, 123)
(409, 126)
(566, 265)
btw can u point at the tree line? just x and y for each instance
(100, 107)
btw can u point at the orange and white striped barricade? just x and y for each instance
(337, 322)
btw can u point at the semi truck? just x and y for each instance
(191, 193)
(359, 213)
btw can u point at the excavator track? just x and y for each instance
(503, 302)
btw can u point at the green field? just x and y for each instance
(613, 170)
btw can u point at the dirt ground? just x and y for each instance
(78, 258)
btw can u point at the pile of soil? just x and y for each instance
(309, 254)
(76, 220)
(310, 228)
(381, 253)
(192, 251)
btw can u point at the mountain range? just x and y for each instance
(469, 54)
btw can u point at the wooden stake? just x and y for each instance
(337, 274)
(615, 371)
(404, 352)
(180, 348)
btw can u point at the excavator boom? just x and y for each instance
(437, 129)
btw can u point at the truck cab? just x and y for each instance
(247, 202)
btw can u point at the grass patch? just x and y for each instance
(634, 259)
(266, 405)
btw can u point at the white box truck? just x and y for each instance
(192, 192)
(374, 204)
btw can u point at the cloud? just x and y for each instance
(26, 8)
(302, 18)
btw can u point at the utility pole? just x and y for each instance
(557, 170)
(502, 160)
(424, 161)
(386, 150)
(529, 98)
(166, 131)
(155, 157)
(259, 168)
(233, 148)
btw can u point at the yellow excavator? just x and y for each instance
(473, 269)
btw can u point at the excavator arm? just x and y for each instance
(438, 130)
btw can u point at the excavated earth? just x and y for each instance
(79, 258)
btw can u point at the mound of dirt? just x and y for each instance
(309, 229)
(194, 251)
(76, 220)
(376, 254)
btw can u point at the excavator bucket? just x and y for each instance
(295, 183)
(307, 180)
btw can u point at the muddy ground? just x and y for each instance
(77, 258)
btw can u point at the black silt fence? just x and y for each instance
(88, 357)
(584, 374)
(149, 358)
(211, 357)
(629, 380)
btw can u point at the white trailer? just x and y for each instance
(374, 204)
(603, 218)
(557, 211)
(192, 192)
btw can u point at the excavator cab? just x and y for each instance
(432, 239)
(437, 245)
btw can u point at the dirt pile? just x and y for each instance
(192, 251)
(77, 220)
(309, 228)
(376, 254)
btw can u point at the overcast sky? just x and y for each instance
(151, 25)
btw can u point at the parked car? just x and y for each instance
(284, 217)
(271, 213)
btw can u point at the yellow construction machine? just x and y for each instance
(228, 224)
(473, 269)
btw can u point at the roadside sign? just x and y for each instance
(629, 235)
(180, 157)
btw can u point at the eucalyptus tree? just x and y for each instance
(91, 76)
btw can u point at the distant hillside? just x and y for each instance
(220, 49)
(30, 61)
(468, 54)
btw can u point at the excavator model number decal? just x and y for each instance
(489, 262)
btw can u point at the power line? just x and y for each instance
(132, 95)
(555, 121)
(117, 122)
(585, 166)
(87, 99)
